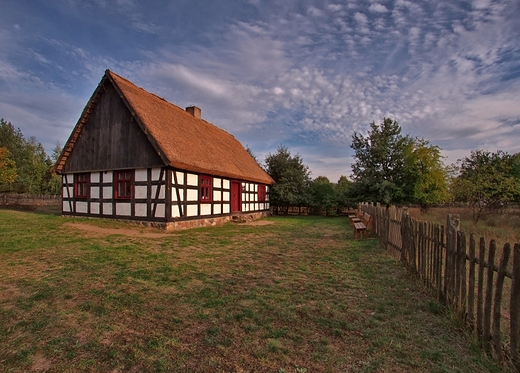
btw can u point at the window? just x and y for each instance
(81, 185)
(205, 188)
(123, 186)
(261, 193)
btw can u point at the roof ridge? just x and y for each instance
(147, 92)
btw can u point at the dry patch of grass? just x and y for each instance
(502, 226)
(299, 295)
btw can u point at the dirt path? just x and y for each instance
(139, 232)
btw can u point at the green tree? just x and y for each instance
(32, 164)
(291, 176)
(425, 174)
(486, 181)
(54, 183)
(323, 195)
(7, 167)
(343, 193)
(392, 169)
(379, 168)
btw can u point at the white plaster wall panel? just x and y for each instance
(94, 208)
(70, 192)
(141, 191)
(140, 209)
(256, 206)
(244, 186)
(192, 180)
(225, 209)
(107, 192)
(191, 210)
(205, 209)
(217, 195)
(192, 195)
(141, 175)
(107, 209)
(245, 207)
(225, 184)
(81, 207)
(65, 206)
(123, 209)
(180, 178)
(217, 183)
(108, 177)
(160, 211)
(161, 191)
(94, 192)
(256, 188)
(225, 196)
(174, 194)
(94, 177)
(175, 211)
(156, 173)
(217, 209)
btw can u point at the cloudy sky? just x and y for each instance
(303, 74)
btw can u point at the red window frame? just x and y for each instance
(205, 188)
(261, 193)
(123, 184)
(81, 185)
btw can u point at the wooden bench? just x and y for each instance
(362, 225)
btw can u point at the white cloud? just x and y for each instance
(378, 8)
(360, 18)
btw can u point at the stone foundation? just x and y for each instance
(212, 222)
(195, 223)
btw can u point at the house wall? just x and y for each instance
(148, 201)
(185, 197)
(111, 139)
(160, 195)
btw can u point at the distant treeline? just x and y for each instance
(24, 165)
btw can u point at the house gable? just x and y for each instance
(109, 137)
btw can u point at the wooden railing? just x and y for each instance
(480, 283)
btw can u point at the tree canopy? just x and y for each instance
(487, 181)
(33, 166)
(391, 168)
(291, 176)
(7, 167)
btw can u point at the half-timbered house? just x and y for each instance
(134, 156)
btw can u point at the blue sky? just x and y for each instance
(304, 74)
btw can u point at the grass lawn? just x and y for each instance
(297, 295)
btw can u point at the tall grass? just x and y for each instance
(502, 226)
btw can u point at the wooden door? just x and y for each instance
(236, 202)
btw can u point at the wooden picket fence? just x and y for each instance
(479, 286)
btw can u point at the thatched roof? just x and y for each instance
(181, 140)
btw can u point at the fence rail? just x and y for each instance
(478, 282)
(29, 199)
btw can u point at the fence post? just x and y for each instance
(497, 340)
(486, 338)
(471, 281)
(515, 309)
(405, 243)
(452, 226)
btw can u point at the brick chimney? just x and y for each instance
(195, 111)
